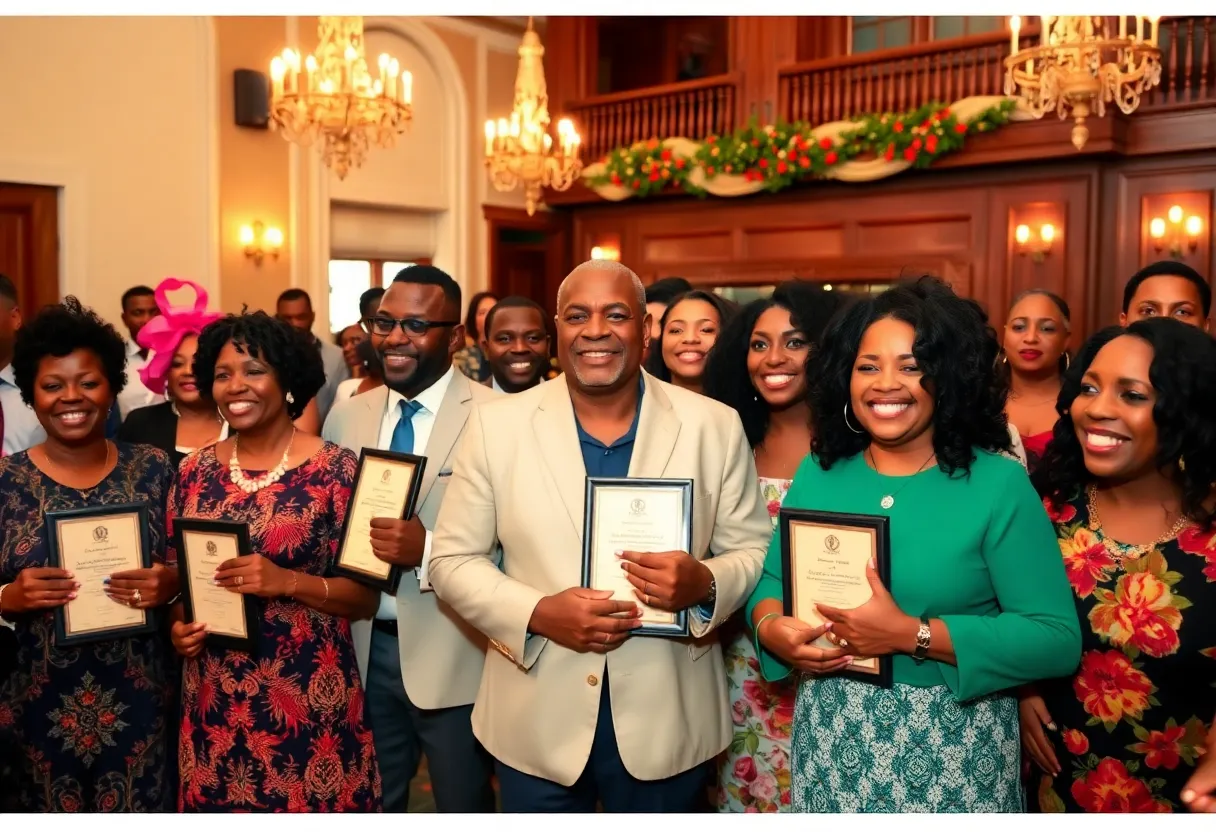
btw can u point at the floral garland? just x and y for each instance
(777, 156)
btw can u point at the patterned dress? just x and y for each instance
(284, 730)
(1134, 717)
(754, 772)
(90, 722)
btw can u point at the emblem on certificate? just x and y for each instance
(94, 543)
(824, 555)
(386, 485)
(635, 515)
(233, 620)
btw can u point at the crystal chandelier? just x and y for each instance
(1078, 67)
(520, 149)
(338, 100)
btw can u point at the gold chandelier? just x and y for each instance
(520, 149)
(338, 100)
(1078, 67)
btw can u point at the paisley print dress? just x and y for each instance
(89, 723)
(1133, 719)
(285, 729)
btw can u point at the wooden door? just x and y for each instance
(529, 256)
(29, 243)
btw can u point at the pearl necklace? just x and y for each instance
(251, 485)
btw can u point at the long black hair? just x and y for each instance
(726, 375)
(1183, 374)
(726, 310)
(956, 350)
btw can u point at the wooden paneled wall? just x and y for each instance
(959, 225)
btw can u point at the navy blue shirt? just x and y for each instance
(613, 460)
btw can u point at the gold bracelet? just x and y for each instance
(764, 618)
(295, 584)
(325, 583)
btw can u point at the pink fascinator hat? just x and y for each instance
(162, 335)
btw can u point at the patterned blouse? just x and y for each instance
(1133, 718)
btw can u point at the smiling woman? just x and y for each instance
(92, 720)
(687, 332)
(1128, 478)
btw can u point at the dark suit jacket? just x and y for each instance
(155, 425)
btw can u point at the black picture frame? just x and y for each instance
(679, 627)
(390, 583)
(64, 637)
(251, 604)
(879, 527)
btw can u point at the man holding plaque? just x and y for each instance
(561, 740)
(421, 663)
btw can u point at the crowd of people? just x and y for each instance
(1049, 616)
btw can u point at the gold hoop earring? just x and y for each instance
(846, 420)
(1182, 463)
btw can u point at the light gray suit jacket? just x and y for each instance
(441, 656)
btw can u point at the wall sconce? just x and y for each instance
(1037, 248)
(605, 252)
(260, 241)
(1176, 236)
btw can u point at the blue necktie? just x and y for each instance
(403, 434)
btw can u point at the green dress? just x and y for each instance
(978, 552)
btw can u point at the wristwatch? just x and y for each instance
(712, 597)
(923, 638)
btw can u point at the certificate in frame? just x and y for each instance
(386, 485)
(631, 514)
(824, 555)
(233, 619)
(93, 543)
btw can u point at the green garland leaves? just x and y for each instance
(783, 154)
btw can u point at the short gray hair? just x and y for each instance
(612, 267)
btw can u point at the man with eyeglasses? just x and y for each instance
(421, 664)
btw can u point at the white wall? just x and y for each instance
(119, 112)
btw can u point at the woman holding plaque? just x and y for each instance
(281, 728)
(758, 367)
(1034, 352)
(89, 717)
(908, 423)
(188, 420)
(688, 329)
(1128, 481)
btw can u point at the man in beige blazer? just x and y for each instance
(420, 662)
(573, 707)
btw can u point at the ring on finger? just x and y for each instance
(240, 580)
(843, 642)
(136, 598)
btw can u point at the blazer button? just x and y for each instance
(591, 680)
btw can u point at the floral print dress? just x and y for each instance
(90, 723)
(283, 730)
(754, 772)
(1133, 719)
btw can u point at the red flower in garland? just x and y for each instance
(826, 143)
(804, 162)
(931, 143)
(616, 179)
(830, 157)
(960, 128)
(890, 153)
(764, 163)
(782, 167)
(654, 175)
(910, 154)
(665, 155)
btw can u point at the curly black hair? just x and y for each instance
(1183, 373)
(59, 330)
(294, 356)
(726, 310)
(956, 350)
(726, 375)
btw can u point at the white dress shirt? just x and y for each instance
(424, 421)
(22, 430)
(135, 395)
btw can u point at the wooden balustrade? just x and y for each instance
(840, 88)
(691, 109)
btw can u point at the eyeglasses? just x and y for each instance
(384, 327)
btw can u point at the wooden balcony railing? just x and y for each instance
(691, 109)
(902, 79)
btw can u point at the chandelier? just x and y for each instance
(337, 100)
(520, 149)
(1078, 67)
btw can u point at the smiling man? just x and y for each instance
(562, 742)
(421, 664)
(516, 344)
